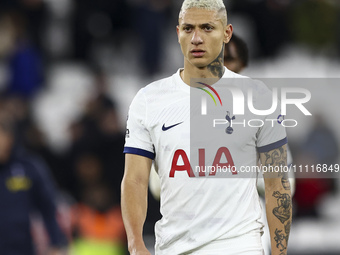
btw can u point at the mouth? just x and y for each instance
(197, 53)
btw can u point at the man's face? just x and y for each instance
(201, 35)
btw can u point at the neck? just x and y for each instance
(214, 70)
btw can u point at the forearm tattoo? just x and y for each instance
(283, 210)
(283, 213)
(278, 158)
(284, 206)
(216, 67)
(281, 239)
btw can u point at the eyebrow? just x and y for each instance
(200, 25)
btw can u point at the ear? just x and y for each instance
(228, 33)
(177, 30)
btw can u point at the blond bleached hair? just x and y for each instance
(210, 5)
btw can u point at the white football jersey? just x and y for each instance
(197, 210)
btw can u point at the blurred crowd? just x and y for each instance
(81, 194)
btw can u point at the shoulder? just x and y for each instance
(257, 87)
(158, 86)
(246, 82)
(155, 90)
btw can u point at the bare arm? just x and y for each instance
(134, 201)
(278, 199)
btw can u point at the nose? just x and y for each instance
(196, 38)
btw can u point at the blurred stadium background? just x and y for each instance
(70, 68)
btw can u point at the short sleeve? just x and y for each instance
(272, 134)
(138, 140)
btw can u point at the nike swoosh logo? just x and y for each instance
(164, 128)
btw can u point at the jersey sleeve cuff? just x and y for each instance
(139, 152)
(272, 146)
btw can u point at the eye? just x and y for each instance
(187, 29)
(208, 28)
